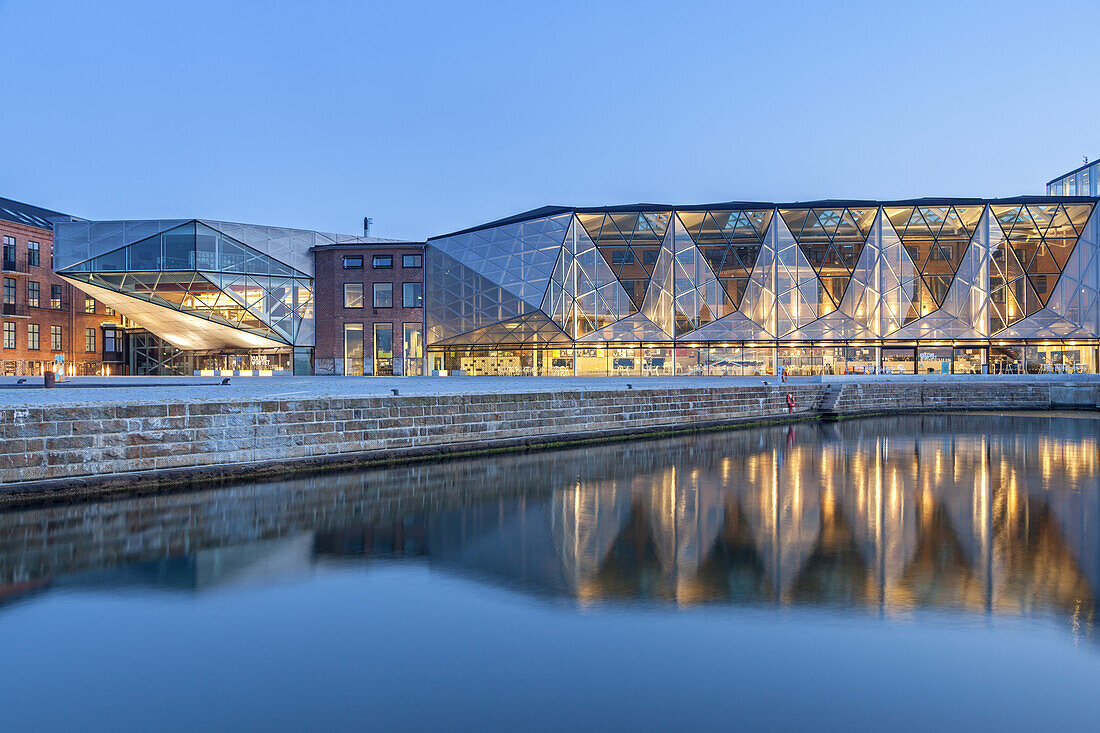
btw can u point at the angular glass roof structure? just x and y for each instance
(199, 284)
(821, 272)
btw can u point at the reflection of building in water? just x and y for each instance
(896, 523)
(991, 515)
(252, 564)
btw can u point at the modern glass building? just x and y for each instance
(234, 296)
(927, 285)
(1080, 181)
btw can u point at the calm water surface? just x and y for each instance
(910, 573)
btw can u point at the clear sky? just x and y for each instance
(435, 116)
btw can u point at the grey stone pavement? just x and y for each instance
(132, 390)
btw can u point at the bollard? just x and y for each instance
(49, 379)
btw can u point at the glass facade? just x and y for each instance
(840, 287)
(1083, 181)
(202, 285)
(200, 272)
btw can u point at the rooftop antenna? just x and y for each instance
(367, 221)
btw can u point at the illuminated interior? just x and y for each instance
(713, 290)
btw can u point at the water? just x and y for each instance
(910, 573)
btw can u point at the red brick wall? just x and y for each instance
(330, 277)
(71, 317)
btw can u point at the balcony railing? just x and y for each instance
(9, 265)
(13, 309)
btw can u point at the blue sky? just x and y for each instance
(434, 116)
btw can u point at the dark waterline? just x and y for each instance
(909, 573)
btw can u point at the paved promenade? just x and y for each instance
(137, 390)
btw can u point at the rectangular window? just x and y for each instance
(89, 340)
(32, 294)
(55, 338)
(383, 349)
(32, 254)
(9, 253)
(9, 334)
(89, 304)
(649, 257)
(412, 295)
(9, 290)
(32, 337)
(383, 295)
(412, 260)
(110, 340)
(108, 310)
(353, 295)
(353, 349)
(413, 348)
(382, 262)
(353, 263)
(55, 297)
(622, 257)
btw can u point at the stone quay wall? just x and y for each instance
(72, 447)
(866, 397)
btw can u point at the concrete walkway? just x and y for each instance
(136, 390)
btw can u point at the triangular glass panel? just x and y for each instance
(592, 224)
(969, 216)
(693, 221)
(864, 218)
(625, 223)
(899, 217)
(1078, 214)
(829, 220)
(934, 217)
(1006, 216)
(795, 219)
(760, 220)
(916, 226)
(656, 222)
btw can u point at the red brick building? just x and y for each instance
(42, 316)
(369, 308)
